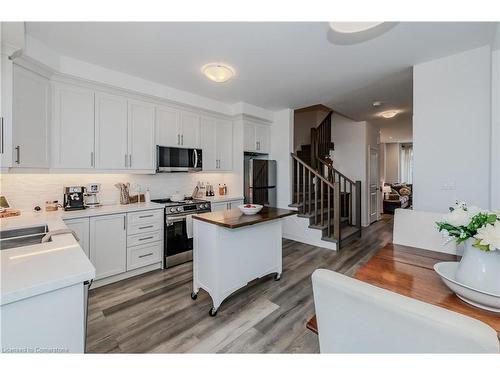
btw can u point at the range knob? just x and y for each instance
(172, 209)
(179, 209)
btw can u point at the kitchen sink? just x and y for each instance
(12, 238)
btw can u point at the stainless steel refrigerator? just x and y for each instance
(260, 182)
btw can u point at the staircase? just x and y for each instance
(323, 195)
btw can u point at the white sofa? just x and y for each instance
(356, 317)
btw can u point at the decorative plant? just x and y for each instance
(463, 222)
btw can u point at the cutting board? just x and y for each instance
(10, 213)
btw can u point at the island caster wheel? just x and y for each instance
(194, 295)
(277, 276)
(212, 312)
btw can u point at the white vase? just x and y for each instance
(479, 269)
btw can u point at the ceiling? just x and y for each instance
(278, 64)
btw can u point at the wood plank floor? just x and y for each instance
(154, 313)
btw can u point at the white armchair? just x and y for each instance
(418, 229)
(356, 317)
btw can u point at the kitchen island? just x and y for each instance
(231, 249)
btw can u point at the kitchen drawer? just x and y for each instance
(142, 228)
(144, 255)
(141, 239)
(143, 217)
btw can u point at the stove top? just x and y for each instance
(169, 203)
(187, 205)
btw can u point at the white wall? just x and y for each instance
(350, 157)
(398, 129)
(281, 147)
(392, 163)
(451, 130)
(495, 123)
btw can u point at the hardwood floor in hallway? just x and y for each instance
(154, 313)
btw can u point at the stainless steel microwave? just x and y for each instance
(174, 159)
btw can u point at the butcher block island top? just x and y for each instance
(234, 218)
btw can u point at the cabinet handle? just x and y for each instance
(145, 238)
(1, 135)
(145, 255)
(91, 158)
(124, 222)
(18, 154)
(178, 139)
(126, 161)
(144, 216)
(146, 227)
(130, 160)
(182, 139)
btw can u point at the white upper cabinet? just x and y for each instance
(141, 135)
(167, 126)
(209, 143)
(190, 130)
(225, 144)
(217, 144)
(73, 127)
(111, 148)
(175, 128)
(31, 118)
(262, 138)
(257, 137)
(6, 77)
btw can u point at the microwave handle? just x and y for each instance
(195, 158)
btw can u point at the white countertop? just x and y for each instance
(32, 270)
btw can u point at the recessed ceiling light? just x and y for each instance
(389, 114)
(352, 27)
(218, 72)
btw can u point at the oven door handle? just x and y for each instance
(175, 219)
(195, 158)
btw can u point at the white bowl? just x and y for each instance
(250, 211)
(483, 300)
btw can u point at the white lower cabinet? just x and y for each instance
(108, 243)
(223, 206)
(118, 243)
(82, 230)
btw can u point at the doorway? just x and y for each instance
(373, 185)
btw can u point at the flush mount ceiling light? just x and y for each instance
(218, 72)
(389, 114)
(353, 27)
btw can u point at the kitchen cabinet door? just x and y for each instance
(216, 207)
(141, 137)
(110, 131)
(190, 130)
(82, 230)
(249, 137)
(262, 135)
(167, 126)
(108, 244)
(6, 78)
(73, 127)
(30, 133)
(209, 143)
(225, 145)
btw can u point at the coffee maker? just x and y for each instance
(74, 198)
(92, 196)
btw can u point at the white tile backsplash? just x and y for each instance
(25, 191)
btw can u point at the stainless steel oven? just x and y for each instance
(178, 229)
(175, 159)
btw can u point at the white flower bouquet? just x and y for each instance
(463, 223)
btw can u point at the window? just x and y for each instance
(406, 163)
